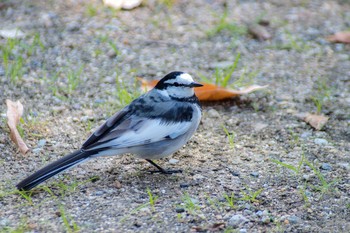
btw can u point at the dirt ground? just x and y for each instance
(269, 172)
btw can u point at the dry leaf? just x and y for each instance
(14, 113)
(258, 31)
(316, 121)
(209, 92)
(340, 37)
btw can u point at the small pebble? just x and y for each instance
(326, 167)
(73, 26)
(321, 141)
(243, 230)
(235, 173)
(345, 166)
(237, 220)
(306, 134)
(198, 177)
(41, 143)
(254, 174)
(184, 185)
(265, 219)
(36, 150)
(213, 113)
(294, 219)
(179, 210)
(173, 161)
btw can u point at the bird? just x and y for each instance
(152, 126)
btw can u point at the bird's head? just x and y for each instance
(177, 84)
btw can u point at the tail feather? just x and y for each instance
(53, 169)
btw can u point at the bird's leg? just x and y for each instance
(160, 169)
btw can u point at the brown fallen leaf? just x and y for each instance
(316, 121)
(340, 37)
(209, 92)
(14, 113)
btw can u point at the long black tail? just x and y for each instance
(54, 168)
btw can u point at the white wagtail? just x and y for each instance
(153, 126)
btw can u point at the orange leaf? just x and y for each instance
(209, 92)
(340, 37)
(14, 113)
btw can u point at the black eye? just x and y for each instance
(176, 84)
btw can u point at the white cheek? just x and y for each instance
(180, 92)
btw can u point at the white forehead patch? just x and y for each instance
(185, 77)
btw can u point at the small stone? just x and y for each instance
(235, 173)
(99, 193)
(41, 143)
(321, 141)
(326, 167)
(36, 150)
(345, 166)
(259, 213)
(179, 210)
(173, 161)
(254, 174)
(198, 177)
(306, 177)
(73, 26)
(237, 220)
(265, 219)
(109, 79)
(111, 53)
(243, 230)
(213, 113)
(221, 65)
(294, 219)
(306, 134)
(184, 185)
(117, 184)
(259, 126)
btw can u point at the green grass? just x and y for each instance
(126, 93)
(189, 205)
(167, 3)
(91, 10)
(15, 53)
(22, 227)
(222, 76)
(322, 94)
(230, 200)
(293, 43)
(323, 186)
(152, 199)
(68, 222)
(230, 136)
(27, 195)
(250, 195)
(73, 79)
(225, 25)
(114, 47)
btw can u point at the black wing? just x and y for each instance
(106, 127)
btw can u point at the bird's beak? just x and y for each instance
(194, 84)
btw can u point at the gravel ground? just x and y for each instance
(274, 173)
